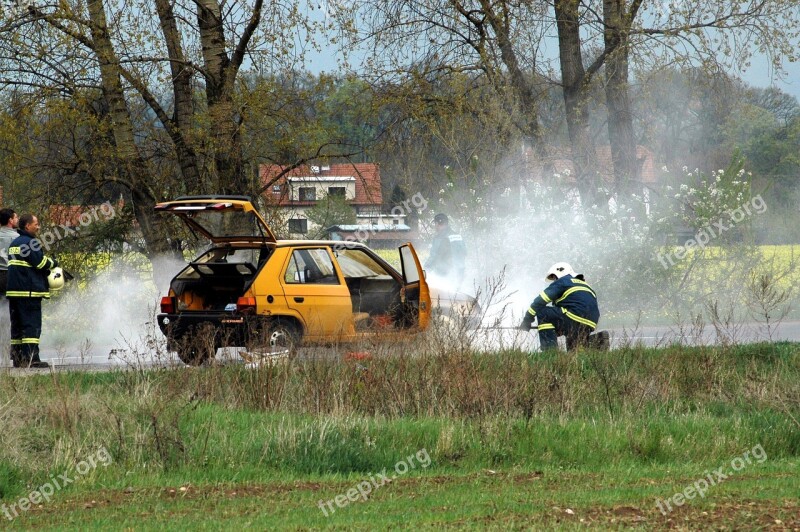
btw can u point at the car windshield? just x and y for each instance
(357, 263)
(227, 224)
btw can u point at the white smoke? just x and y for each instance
(96, 316)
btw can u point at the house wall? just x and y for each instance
(321, 186)
(300, 213)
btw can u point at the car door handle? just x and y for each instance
(299, 299)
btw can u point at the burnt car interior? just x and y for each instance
(373, 290)
(216, 279)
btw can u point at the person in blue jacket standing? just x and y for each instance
(28, 268)
(567, 307)
(447, 256)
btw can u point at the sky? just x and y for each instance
(760, 73)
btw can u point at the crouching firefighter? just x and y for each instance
(568, 307)
(28, 270)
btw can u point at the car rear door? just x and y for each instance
(416, 294)
(221, 218)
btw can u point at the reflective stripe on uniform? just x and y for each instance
(573, 290)
(545, 297)
(44, 262)
(15, 262)
(19, 293)
(546, 326)
(16, 342)
(577, 318)
(29, 341)
(531, 312)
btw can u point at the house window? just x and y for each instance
(276, 189)
(308, 194)
(338, 192)
(396, 222)
(298, 226)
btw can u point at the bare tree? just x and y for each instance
(130, 52)
(716, 36)
(429, 39)
(508, 43)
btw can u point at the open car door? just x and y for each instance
(221, 218)
(417, 294)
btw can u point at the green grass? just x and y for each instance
(508, 440)
(548, 498)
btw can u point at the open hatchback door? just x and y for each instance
(221, 218)
(417, 294)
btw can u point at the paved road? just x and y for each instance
(104, 358)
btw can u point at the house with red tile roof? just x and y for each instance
(75, 215)
(561, 164)
(560, 168)
(301, 188)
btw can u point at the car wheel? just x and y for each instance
(196, 346)
(281, 336)
(276, 340)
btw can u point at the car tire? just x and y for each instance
(279, 337)
(196, 346)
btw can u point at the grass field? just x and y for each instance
(466, 440)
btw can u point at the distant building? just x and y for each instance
(83, 215)
(562, 165)
(358, 183)
(375, 235)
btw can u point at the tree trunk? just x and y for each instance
(220, 77)
(575, 86)
(183, 116)
(131, 163)
(521, 85)
(620, 117)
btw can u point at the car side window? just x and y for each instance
(310, 266)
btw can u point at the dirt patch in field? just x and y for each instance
(765, 515)
(190, 491)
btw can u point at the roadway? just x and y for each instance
(105, 358)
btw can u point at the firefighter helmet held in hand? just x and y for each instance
(559, 270)
(56, 278)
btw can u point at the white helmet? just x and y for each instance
(56, 278)
(559, 270)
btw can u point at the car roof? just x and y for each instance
(342, 243)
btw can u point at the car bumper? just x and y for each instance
(232, 328)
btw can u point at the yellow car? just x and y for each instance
(250, 289)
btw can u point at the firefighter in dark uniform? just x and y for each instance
(448, 252)
(28, 268)
(568, 307)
